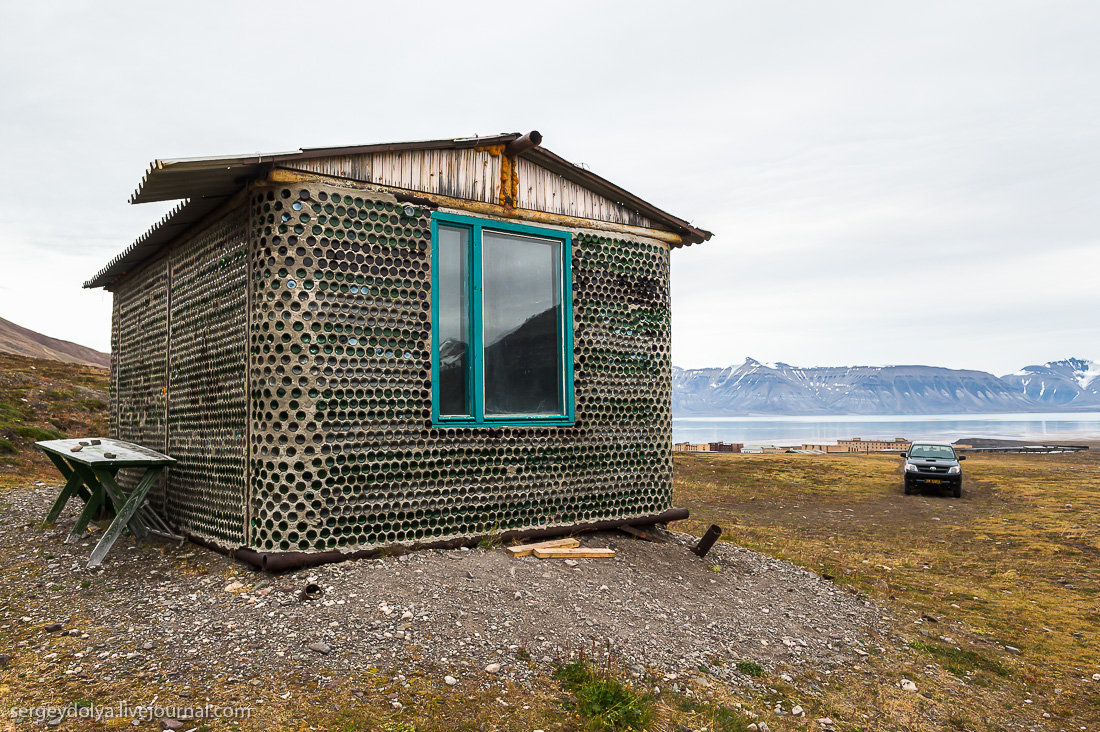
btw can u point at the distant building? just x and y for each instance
(824, 448)
(772, 449)
(857, 444)
(733, 447)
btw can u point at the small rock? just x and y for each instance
(319, 647)
(907, 685)
(825, 721)
(1096, 677)
(5, 659)
(147, 646)
(570, 563)
(492, 668)
(469, 574)
(1013, 649)
(53, 627)
(171, 724)
(450, 680)
(763, 727)
(234, 587)
(796, 711)
(752, 727)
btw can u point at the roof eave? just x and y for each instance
(588, 179)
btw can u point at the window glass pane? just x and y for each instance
(452, 320)
(521, 324)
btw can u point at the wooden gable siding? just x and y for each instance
(543, 190)
(470, 173)
(474, 175)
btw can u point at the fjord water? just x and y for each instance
(757, 431)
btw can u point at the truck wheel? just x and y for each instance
(908, 488)
(958, 492)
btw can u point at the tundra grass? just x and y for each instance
(996, 595)
(45, 400)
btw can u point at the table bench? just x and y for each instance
(89, 467)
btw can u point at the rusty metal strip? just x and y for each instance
(282, 561)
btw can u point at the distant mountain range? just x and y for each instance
(756, 388)
(25, 342)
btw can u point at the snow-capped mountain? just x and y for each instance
(1068, 383)
(760, 388)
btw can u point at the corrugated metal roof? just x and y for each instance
(173, 223)
(208, 182)
(167, 180)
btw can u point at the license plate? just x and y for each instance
(933, 480)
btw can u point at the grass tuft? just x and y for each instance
(604, 702)
(750, 668)
(37, 434)
(958, 661)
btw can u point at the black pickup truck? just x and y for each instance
(935, 465)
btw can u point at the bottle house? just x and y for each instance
(400, 344)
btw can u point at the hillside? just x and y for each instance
(25, 342)
(755, 388)
(42, 399)
(1070, 382)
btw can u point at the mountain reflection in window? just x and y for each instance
(453, 321)
(521, 325)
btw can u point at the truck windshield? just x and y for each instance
(932, 451)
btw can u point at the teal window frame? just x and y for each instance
(475, 226)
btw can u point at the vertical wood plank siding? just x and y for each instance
(475, 176)
(543, 190)
(470, 174)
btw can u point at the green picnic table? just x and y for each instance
(89, 467)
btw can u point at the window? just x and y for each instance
(502, 345)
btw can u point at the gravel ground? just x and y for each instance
(161, 611)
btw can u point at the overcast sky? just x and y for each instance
(887, 183)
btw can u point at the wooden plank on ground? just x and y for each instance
(574, 553)
(525, 550)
